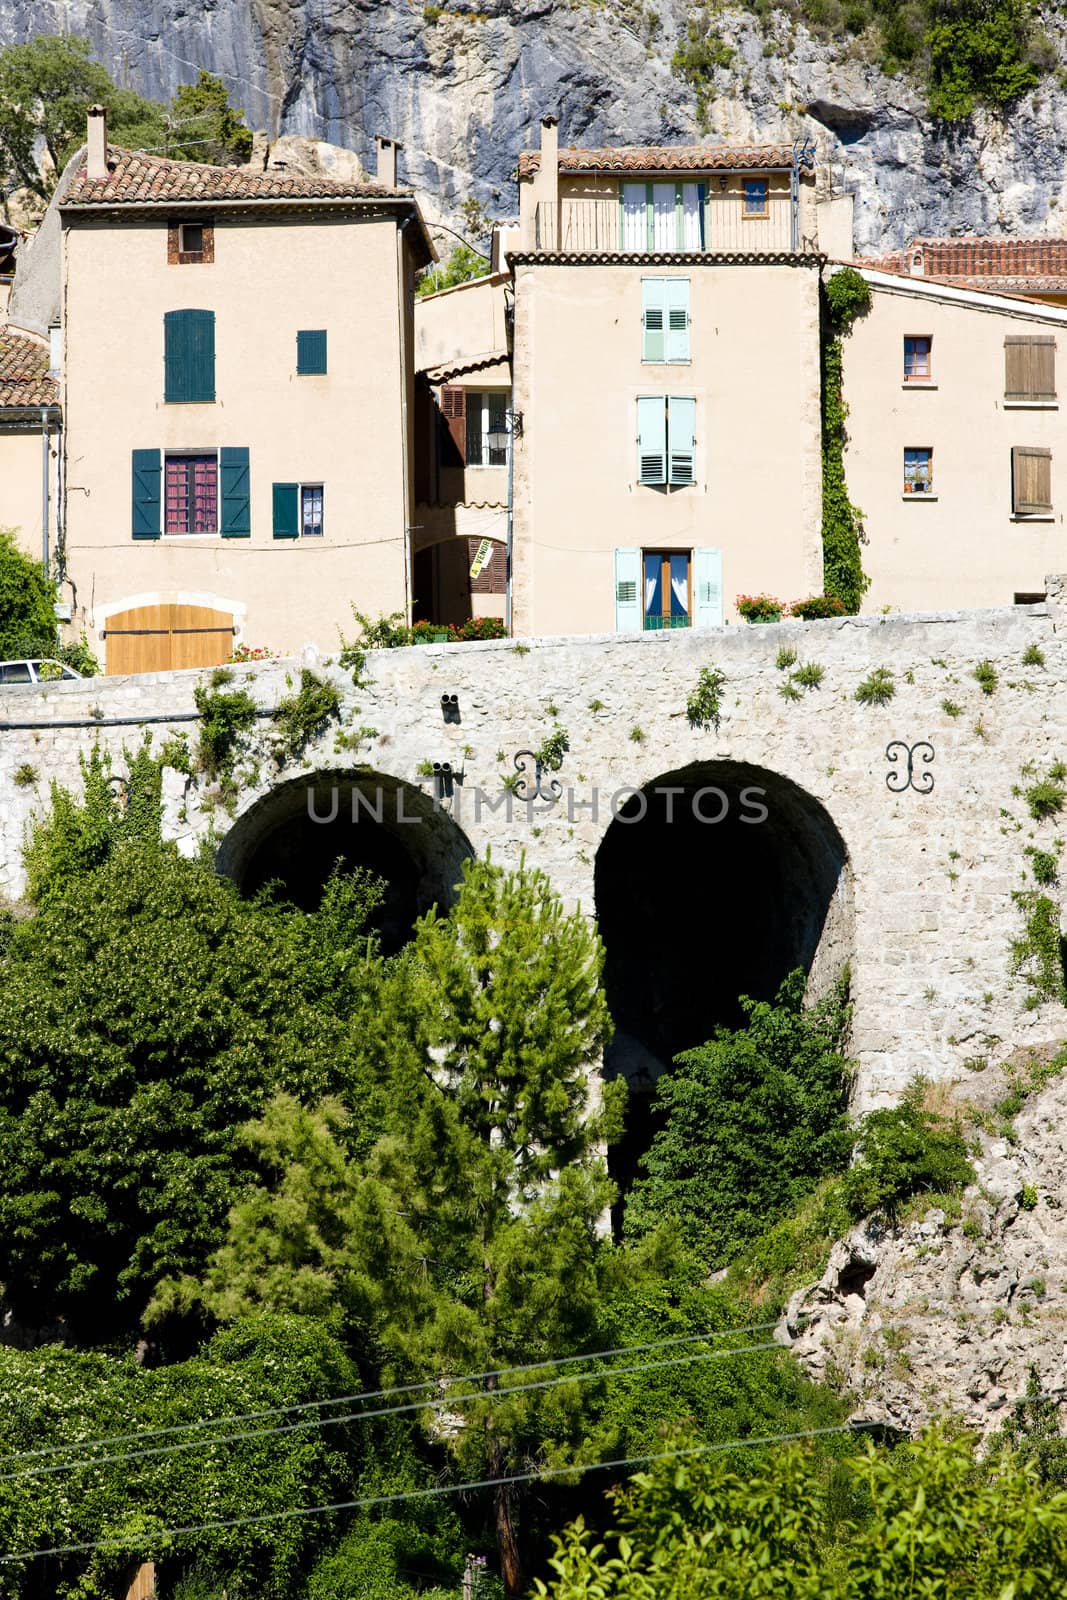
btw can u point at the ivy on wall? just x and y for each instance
(846, 296)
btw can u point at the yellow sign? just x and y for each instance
(481, 559)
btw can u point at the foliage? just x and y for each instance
(704, 704)
(76, 837)
(978, 51)
(817, 607)
(785, 658)
(1033, 656)
(301, 717)
(809, 676)
(457, 632)
(794, 1251)
(877, 688)
(1039, 954)
(1033, 1432)
(1043, 865)
(145, 1012)
(80, 657)
(752, 1121)
(209, 128)
(700, 52)
(846, 295)
(27, 599)
(985, 674)
(462, 266)
(760, 607)
(1047, 796)
(244, 653)
(904, 1150)
(392, 633)
(928, 1520)
(553, 748)
(224, 717)
(24, 776)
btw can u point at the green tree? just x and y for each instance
(145, 1012)
(979, 54)
(753, 1120)
(75, 836)
(205, 126)
(467, 1238)
(27, 601)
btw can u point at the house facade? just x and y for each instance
(238, 385)
(957, 452)
(29, 442)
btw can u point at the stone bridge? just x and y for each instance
(716, 858)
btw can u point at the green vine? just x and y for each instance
(1039, 955)
(846, 296)
(223, 719)
(553, 748)
(703, 708)
(301, 717)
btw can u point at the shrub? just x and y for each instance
(703, 706)
(979, 54)
(985, 674)
(24, 776)
(905, 1150)
(818, 606)
(1046, 797)
(301, 717)
(877, 689)
(809, 676)
(1038, 955)
(1033, 656)
(27, 603)
(223, 719)
(848, 296)
(553, 748)
(760, 607)
(1043, 865)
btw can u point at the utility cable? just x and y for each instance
(543, 1475)
(140, 1435)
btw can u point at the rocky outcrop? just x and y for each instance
(949, 1315)
(463, 86)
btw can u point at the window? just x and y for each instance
(919, 471)
(755, 197)
(1029, 369)
(191, 494)
(486, 413)
(666, 598)
(1031, 481)
(311, 351)
(190, 242)
(917, 360)
(311, 510)
(665, 319)
(665, 217)
(665, 439)
(189, 356)
(16, 672)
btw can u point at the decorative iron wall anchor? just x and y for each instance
(538, 791)
(909, 777)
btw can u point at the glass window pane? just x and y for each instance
(311, 498)
(496, 406)
(474, 428)
(664, 217)
(653, 596)
(692, 217)
(634, 218)
(755, 196)
(679, 585)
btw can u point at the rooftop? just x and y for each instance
(24, 379)
(138, 179)
(1021, 265)
(666, 158)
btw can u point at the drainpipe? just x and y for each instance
(401, 283)
(511, 521)
(44, 488)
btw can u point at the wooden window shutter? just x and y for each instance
(147, 498)
(454, 411)
(1031, 480)
(681, 425)
(677, 301)
(1029, 367)
(652, 439)
(653, 319)
(235, 521)
(189, 356)
(311, 351)
(284, 498)
(627, 591)
(707, 588)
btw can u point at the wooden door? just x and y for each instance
(163, 638)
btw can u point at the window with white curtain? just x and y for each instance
(486, 414)
(665, 217)
(667, 597)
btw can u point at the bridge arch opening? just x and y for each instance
(712, 882)
(298, 832)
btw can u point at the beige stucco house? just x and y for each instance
(957, 451)
(238, 386)
(29, 442)
(666, 385)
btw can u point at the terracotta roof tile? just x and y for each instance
(138, 179)
(24, 379)
(665, 158)
(980, 263)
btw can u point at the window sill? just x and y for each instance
(681, 361)
(1032, 516)
(918, 497)
(918, 383)
(1031, 405)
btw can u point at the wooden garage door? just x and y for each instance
(162, 638)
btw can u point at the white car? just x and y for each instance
(42, 671)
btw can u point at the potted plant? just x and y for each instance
(760, 607)
(817, 606)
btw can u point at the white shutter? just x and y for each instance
(692, 207)
(707, 588)
(634, 217)
(677, 301)
(664, 217)
(651, 439)
(627, 591)
(681, 421)
(653, 319)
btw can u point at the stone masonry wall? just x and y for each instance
(931, 876)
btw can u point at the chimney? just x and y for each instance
(550, 148)
(96, 166)
(387, 154)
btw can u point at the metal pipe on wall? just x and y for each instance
(44, 487)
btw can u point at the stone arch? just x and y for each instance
(716, 890)
(299, 829)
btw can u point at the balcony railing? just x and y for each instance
(655, 624)
(591, 227)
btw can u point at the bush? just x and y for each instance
(906, 1150)
(760, 607)
(27, 603)
(877, 689)
(979, 55)
(818, 606)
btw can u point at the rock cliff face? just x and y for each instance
(463, 88)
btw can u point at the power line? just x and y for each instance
(139, 1435)
(543, 1475)
(444, 1402)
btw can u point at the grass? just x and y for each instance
(877, 689)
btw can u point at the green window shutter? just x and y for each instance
(311, 350)
(682, 425)
(285, 501)
(189, 356)
(707, 588)
(147, 500)
(651, 439)
(653, 319)
(677, 318)
(627, 591)
(234, 493)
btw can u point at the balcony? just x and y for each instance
(591, 227)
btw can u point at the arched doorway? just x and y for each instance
(299, 831)
(715, 881)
